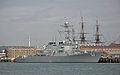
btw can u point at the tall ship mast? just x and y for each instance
(82, 34)
(97, 35)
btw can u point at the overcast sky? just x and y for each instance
(41, 19)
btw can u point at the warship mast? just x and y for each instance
(67, 32)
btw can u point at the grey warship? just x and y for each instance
(66, 51)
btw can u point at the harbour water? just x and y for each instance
(59, 68)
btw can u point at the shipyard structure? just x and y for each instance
(71, 49)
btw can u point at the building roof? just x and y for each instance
(6, 47)
(102, 46)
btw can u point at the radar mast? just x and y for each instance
(67, 32)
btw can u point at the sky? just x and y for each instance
(41, 19)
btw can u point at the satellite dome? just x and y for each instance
(66, 22)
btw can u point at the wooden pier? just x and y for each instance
(6, 59)
(109, 60)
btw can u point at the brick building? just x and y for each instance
(112, 49)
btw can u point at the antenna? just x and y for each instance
(73, 33)
(65, 19)
(60, 35)
(29, 41)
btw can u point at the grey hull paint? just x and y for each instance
(61, 59)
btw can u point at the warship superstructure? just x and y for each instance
(66, 51)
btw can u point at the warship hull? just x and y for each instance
(81, 58)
